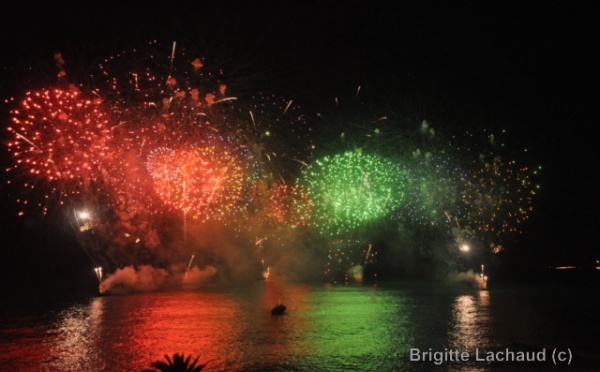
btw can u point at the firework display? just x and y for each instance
(60, 140)
(154, 132)
(204, 182)
(288, 205)
(352, 188)
(499, 196)
(347, 259)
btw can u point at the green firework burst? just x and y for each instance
(351, 189)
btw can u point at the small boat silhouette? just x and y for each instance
(278, 310)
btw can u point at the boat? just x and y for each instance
(278, 310)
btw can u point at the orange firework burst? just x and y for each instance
(288, 205)
(204, 182)
(500, 197)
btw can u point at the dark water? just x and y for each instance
(368, 327)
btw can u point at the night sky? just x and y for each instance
(528, 69)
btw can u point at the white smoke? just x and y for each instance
(148, 278)
(356, 273)
(469, 278)
(195, 277)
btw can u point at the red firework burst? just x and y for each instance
(60, 138)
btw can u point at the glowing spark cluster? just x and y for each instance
(59, 138)
(346, 256)
(435, 186)
(499, 196)
(288, 206)
(204, 182)
(350, 189)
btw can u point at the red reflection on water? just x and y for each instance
(227, 330)
(197, 324)
(231, 330)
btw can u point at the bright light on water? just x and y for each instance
(360, 327)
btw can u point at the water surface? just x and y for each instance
(356, 327)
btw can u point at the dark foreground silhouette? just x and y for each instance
(177, 364)
(278, 310)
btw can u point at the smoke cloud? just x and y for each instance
(147, 278)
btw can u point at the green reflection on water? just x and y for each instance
(357, 325)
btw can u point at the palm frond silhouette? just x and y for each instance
(178, 363)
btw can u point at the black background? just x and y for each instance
(528, 67)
